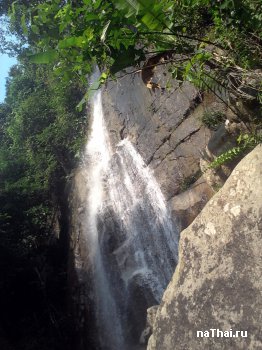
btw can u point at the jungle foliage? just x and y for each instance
(217, 44)
(41, 136)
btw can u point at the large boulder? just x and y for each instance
(217, 284)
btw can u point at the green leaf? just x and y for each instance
(91, 17)
(103, 77)
(134, 4)
(35, 29)
(71, 42)
(88, 34)
(23, 24)
(44, 57)
(125, 58)
(130, 7)
(96, 4)
(150, 21)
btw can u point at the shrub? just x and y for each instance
(213, 119)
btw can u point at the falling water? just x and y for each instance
(132, 241)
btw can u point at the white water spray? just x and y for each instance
(132, 242)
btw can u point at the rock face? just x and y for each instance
(165, 127)
(217, 283)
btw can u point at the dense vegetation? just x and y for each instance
(215, 44)
(41, 135)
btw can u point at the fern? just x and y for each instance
(245, 142)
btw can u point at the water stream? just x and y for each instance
(131, 239)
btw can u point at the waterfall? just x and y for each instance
(130, 237)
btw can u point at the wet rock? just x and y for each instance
(217, 283)
(188, 204)
(215, 178)
(221, 141)
(165, 126)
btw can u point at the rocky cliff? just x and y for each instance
(166, 129)
(165, 126)
(217, 283)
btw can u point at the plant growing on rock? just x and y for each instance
(245, 142)
(212, 119)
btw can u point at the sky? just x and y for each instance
(5, 63)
